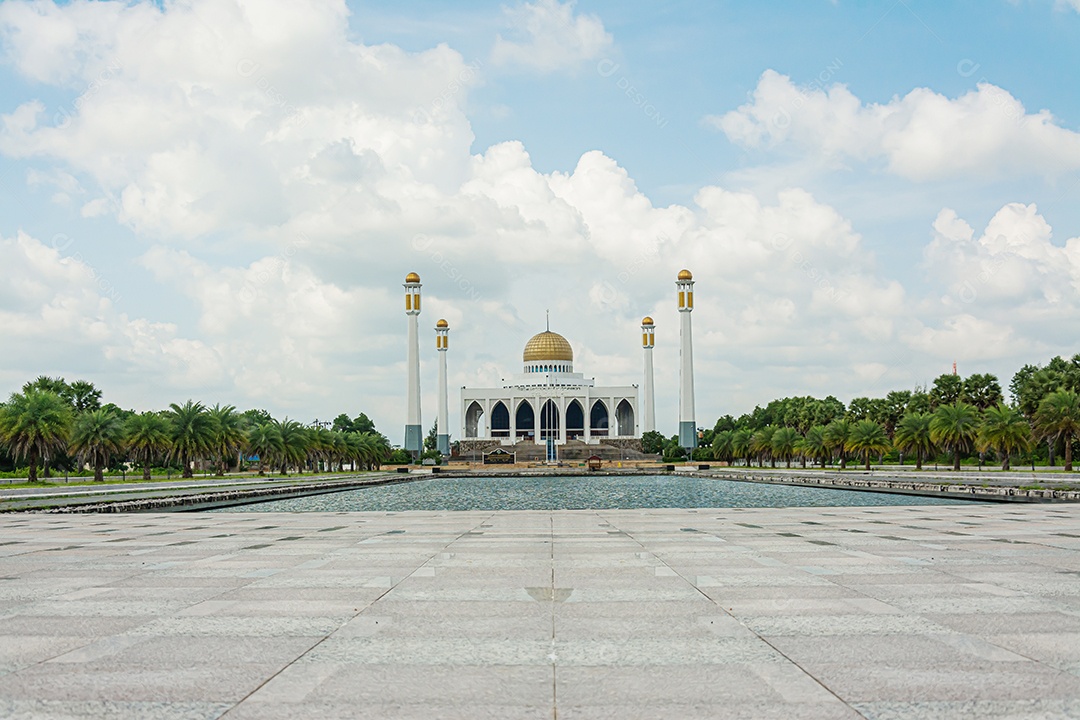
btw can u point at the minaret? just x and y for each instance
(648, 418)
(687, 425)
(414, 434)
(442, 343)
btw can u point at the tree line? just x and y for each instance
(956, 417)
(52, 424)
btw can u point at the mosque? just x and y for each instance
(548, 403)
(548, 400)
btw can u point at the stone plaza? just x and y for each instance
(901, 612)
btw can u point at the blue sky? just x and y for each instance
(218, 199)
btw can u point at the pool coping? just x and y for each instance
(863, 482)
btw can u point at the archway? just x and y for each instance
(598, 419)
(575, 420)
(549, 421)
(474, 417)
(525, 420)
(500, 420)
(624, 414)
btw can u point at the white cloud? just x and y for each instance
(921, 136)
(285, 177)
(547, 36)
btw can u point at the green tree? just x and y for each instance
(295, 441)
(1005, 431)
(652, 443)
(146, 436)
(741, 444)
(56, 385)
(859, 409)
(913, 435)
(431, 441)
(342, 423)
(948, 389)
(96, 435)
(866, 438)
(84, 396)
(761, 444)
(919, 402)
(836, 436)
(954, 427)
(1058, 419)
(228, 435)
(363, 424)
(35, 424)
(191, 433)
(264, 440)
(721, 445)
(982, 390)
(782, 444)
(813, 445)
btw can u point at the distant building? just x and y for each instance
(548, 400)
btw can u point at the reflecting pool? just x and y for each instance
(585, 492)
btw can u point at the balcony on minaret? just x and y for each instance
(412, 294)
(685, 285)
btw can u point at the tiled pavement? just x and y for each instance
(945, 611)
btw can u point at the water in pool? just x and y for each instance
(588, 492)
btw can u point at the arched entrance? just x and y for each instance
(500, 421)
(575, 420)
(525, 420)
(598, 419)
(474, 417)
(549, 421)
(624, 414)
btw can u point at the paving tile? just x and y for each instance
(965, 611)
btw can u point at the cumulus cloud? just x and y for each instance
(921, 136)
(548, 36)
(282, 178)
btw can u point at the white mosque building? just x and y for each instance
(548, 400)
(548, 403)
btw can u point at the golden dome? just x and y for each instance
(646, 320)
(686, 275)
(412, 278)
(548, 346)
(442, 324)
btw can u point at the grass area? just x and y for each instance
(136, 479)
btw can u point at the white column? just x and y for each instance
(414, 433)
(648, 412)
(442, 344)
(687, 424)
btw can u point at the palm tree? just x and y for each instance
(191, 433)
(741, 444)
(913, 435)
(147, 437)
(376, 449)
(721, 445)
(295, 442)
(813, 445)
(954, 427)
(1058, 418)
(228, 434)
(97, 435)
(783, 443)
(836, 436)
(867, 437)
(34, 424)
(84, 396)
(265, 441)
(761, 444)
(1004, 430)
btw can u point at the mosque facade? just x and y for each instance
(548, 403)
(548, 400)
